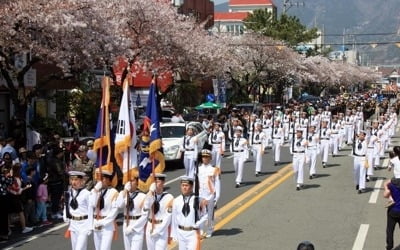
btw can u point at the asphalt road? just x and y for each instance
(268, 213)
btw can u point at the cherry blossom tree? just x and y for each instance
(82, 35)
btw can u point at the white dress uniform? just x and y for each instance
(80, 219)
(267, 128)
(371, 139)
(135, 218)
(210, 190)
(325, 135)
(239, 148)
(104, 218)
(184, 227)
(359, 119)
(360, 160)
(157, 227)
(298, 149)
(258, 145)
(349, 121)
(342, 133)
(278, 140)
(190, 149)
(384, 139)
(286, 124)
(304, 124)
(335, 129)
(312, 152)
(217, 140)
(326, 115)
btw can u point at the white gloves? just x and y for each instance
(89, 232)
(152, 187)
(91, 155)
(129, 230)
(98, 186)
(66, 220)
(128, 186)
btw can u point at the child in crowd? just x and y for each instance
(41, 199)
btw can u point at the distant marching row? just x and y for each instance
(309, 135)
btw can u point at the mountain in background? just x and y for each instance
(353, 18)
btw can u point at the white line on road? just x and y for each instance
(385, 163)
(374, 196)
(362, 234)
(34, 237)
(172, 181)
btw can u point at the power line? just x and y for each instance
(361, 34)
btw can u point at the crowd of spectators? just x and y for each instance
(33, 181)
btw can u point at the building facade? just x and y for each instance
(233, 21)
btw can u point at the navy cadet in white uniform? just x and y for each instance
(102, 199)
(258, 145)
(159, 204)
(187, 217)
(312, 150)
(239, 147)
(189, 147)
(298, 149)
(209, 188)
(131, 200)
(217, 140)
(360, 161)
(77, 211)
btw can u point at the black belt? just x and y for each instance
(256, 142)
(154, 221)
(359, 155)
(78, 218)
(299, 152)
(189, 149)
(130, 217)
(276, 138)
(186, 228)
(98, 217)
(371, 147)
(237, 151)
(325, 138)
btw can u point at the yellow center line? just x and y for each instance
(252, 190)
(253, 200)
(274, 181)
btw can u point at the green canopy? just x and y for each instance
(208, 105)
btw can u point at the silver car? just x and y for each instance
(172, 137)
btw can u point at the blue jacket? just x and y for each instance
(394, 187)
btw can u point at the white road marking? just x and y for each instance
(34, 237)
(374, 195)
(361, 236)
(385, 163)
(173, 180)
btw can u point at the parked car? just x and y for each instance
(172, 136)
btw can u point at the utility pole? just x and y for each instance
(287, 4)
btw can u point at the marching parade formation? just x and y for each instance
(152, 216)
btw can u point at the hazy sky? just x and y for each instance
(220, 1)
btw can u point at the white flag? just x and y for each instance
(125, 138)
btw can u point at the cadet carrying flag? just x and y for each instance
(101, 145)
(125, 137)
(151, 158)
